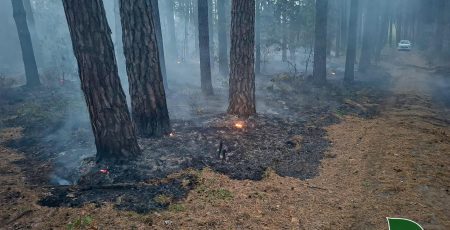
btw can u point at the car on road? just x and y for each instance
(404, 45)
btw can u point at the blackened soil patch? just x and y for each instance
(138, 197)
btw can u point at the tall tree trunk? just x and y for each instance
(29, 61)
(320, 43)
(32, 28)
(222, 35)
(283, 37)
(114, 134)
(258, 37)
(118, 28)
(172, 50)
(344, 24)
(391, 30)
(203, 40)
(350, 58)
(148, 99)
(211, 31)
(194, 15)
(242, 75)
(160, 41)
(368, 47)
(440, 26)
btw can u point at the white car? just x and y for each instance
(404, 45)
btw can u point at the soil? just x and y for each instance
(332, 158)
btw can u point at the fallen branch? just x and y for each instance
(19, 216)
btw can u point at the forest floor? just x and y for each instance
(388, 155)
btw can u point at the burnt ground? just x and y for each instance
(287, 136)
(318, 144)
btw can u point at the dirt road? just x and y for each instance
(393, 165)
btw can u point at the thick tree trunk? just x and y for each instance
(148, 99)
(258, 37)
(320, 43)
(242, 52)
(350, 58)
(222, 35)
(203, 40)
(159, 39)
(29, 61)
(114, 134)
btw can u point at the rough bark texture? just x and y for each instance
(242, 71)
(159, 39)
(350, 58)
(203, 41)
(320, 43)
(222, 35)
(148, 99)
(114, 134)
(258, 37)
(29, 61)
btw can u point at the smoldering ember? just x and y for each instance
(225, 114)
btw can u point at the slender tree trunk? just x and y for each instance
(29, 61)
(33, 33)
(320, 43)
(350, 58)
(344, 24)
(391, 30)
(211, 31)
(283, 37)
(160, 41)
(258, 37)
(194, 15)
(203, 40)
(222, 35)
(114, 134)
(440, 26)
(172, 48)
(242, 75)
(148, 99)
(368, 46)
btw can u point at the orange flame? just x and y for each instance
(239, 125)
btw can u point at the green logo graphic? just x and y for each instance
(402, 224)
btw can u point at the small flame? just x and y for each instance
(239, 125)
(104, 171)
(333, 73)
(171, 134)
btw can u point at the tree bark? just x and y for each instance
(368, 46)
(440, 26)
(114, 134)
(283, 37)
(320, 43)
(160, 41)
(350, 58)
(29, 61)
(148, 99)
(258, 37)
(242, 55)
(203, 41)
(222, 35)
(172, 51)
